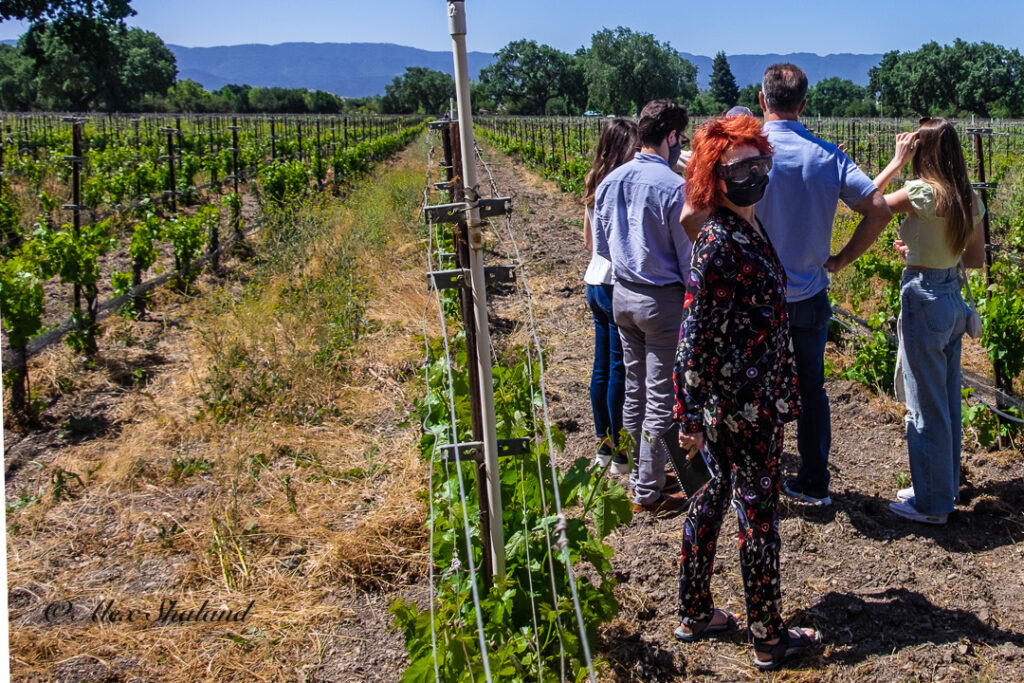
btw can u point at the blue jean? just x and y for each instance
(808, 326)
(607, 379)
(934, 321)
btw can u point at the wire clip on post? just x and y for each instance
(450, 279)
(449, 213)
(474, 450)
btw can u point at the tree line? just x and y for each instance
(78, 55)
(621, 70)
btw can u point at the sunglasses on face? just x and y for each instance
(681, 138)
(741, 170)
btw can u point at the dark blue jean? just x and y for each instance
(607, 383)
(808, 325)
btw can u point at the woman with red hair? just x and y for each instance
(736, 385)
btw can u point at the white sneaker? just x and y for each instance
(602, 459)
(903, 495)
(907, 511)
(620, 464)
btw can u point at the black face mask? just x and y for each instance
(673, 154)
(746, 192)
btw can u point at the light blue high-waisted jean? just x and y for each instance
(934, 321)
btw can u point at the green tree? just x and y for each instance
(418, 90)
(56, 10)
(188, 96)
(723, 83)
(748, 97)
(838, 97)
(16, 88)
(625, 70)
(526, 75)
(112, 70)
(977, 78)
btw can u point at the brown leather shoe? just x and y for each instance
(668, 502)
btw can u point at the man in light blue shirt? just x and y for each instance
(636, 227)
(807, 180)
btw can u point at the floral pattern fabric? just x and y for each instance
(736, 381)
(735, 356)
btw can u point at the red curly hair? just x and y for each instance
(710, 142)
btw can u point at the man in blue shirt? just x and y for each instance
(636, 227)
(808, 178)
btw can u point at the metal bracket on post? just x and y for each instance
(495, 206)
(474, 450)
(984, 186)
(979, 131)
(444, 213)
(441, 125)
(450, 213)
(450, 279)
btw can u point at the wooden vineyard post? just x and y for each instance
(458, 194)
(87, 324)
(1002, 381)
(236, 211)
(273, 141)
(172, 189)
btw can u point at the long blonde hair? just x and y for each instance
(939, 161)
(616, 146)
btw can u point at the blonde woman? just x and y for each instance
(942, 226)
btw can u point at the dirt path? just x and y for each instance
(894, 600)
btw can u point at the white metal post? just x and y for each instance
(457, 29)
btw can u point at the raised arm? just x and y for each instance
(876, 215)
(905, 148)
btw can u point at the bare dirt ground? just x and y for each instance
(895, 601)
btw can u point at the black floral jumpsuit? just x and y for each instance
(736, 381)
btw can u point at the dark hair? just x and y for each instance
(939, 161)
(710, 142)
(616, 146)
(784, 86)
(659, 118)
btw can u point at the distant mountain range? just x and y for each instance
(346, 69)
(361, 69)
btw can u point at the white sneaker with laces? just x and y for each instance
(906, 510)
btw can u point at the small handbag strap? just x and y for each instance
(961, 272)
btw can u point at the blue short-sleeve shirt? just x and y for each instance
(808, 179)
(636, 222)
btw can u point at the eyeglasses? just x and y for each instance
(741, 170)
(681, 138)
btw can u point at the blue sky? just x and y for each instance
(704, 27)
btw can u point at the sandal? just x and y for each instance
(702, 628)
(792, 642)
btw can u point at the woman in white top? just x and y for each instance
(616, 146)
(942, 226)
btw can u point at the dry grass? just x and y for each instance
(270, 502)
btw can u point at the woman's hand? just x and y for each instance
(691, 443)
(901, 248)
(906, 146)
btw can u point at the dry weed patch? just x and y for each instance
(268, 470)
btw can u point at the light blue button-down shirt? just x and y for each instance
(808, 178)
(636, 222)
